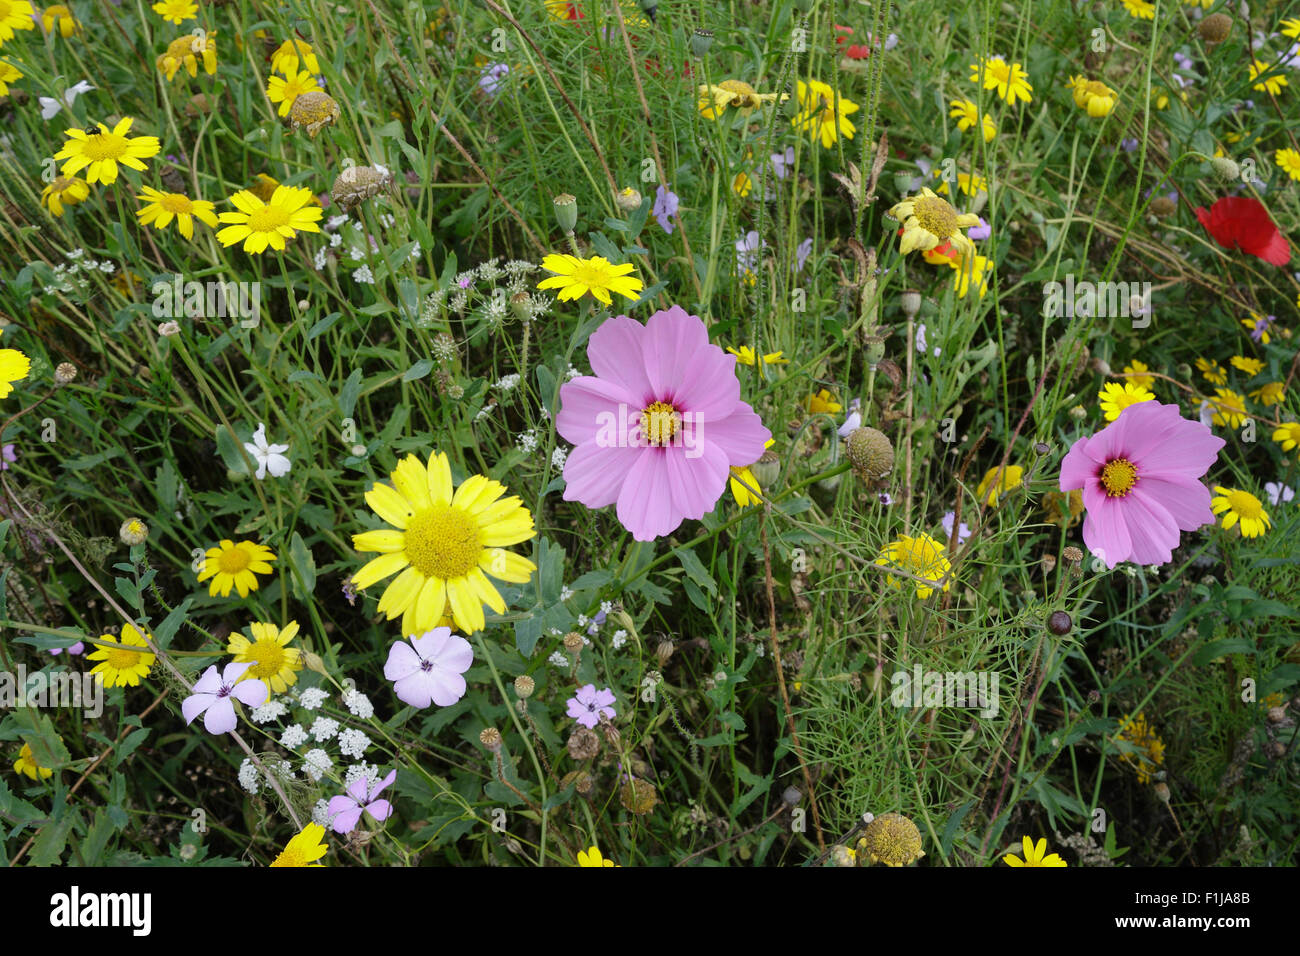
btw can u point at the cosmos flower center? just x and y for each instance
(103, 146)
(659, 423)
(1118, 477)
(936, 216)
(233, 560)
(443, 542)
(267, 219)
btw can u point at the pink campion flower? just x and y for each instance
(660, 425)
(214, 697)
(428, 670)
(588, 705)
(1140, 477)
(345, 809)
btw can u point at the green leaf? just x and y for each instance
(527, 632)
(228, 447)
(349, 393)
(164, 632)
(696, 571)
(304, 567)
(52, 840)
(418, 371)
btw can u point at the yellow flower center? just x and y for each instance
(267, 219)
(180, 47)
(936, 216)
(120, 659)
(290, 857)
(745, 95)
(101, 146)
(1245, 504)
(1118, 477)
(233, 560)
(443, 542)
(268, 658)
(659, 423)
(176, 203)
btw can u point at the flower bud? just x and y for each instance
(910, 300)
(566, 212)
(874, 347)
(1059, 623)
(1227, 169)
(1163, 206)
(133, 531)
(767, 469)
(1215, 28)
(627, 199)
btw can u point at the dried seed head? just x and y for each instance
(874, 347)
(891, 839)
(870, 453)
(1073, 554)
(639, 796)
(64, 373)
(1227, 169)
(1215, 28)
(1049, 563)
(573, 642)
(1163, 206)
(314, 110)
(663, 652)
(910, 300)
(490, 738)
(583, 744)
(524, 686)
(356, 184)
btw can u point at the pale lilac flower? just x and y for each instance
(1129, 144)
(963, 532)
(345, 809)
(490, 78)
(747, 252)
(268, 457)
(982, 231)
(429, 668)
(596, 622)
(852, 422)
(214, 697)
(885, 498)
(783, 163)
(588, 705)
(73, 651)
(1261, 326)
(665, 207)
(7, 457)
(802, 252)
(1278, 493)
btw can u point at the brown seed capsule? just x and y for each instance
(583, 744)
(663, 652)
(1059, 623)
(356, 184)
(1073, 554)
(524, 686)
(490, 738)
(1049, 563)
(64, 373)
(314, 110)
(573, 642)
(870, 452)
(1163, 206)
(639, 796)
(1215, 28)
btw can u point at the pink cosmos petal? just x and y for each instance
(209, 683)
(708, 389)
(742, 436)
(402, 661)
(347, 820)
(595, 475)
(1077, 467)
(1104, 530)
(415, 689)
(696, 483)
(1186, 499)
(585, 403)
(645, 505)
(1188, 451)
(357, 791)
(220, 717)
(196, 704)
(1151, 528)
(252, 693)
(614, 351)
(381, 810)
(671, 339)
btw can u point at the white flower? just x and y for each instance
(558, 457)
(249, 776)
(566, 592)
(526, 442)
(364, 275)
(558, 660)
(353, 743)
(271, 710)
(324, 728)
(50, 106)
(359, 704)
(360, 771)
(312, 697)
(316, 763)
(319, 260)
(619, 639)
(293, 736)
(507, 383)
(320, 813)
(1278, 493)
(268, 457)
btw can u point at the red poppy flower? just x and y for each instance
(858, 52)
(841, 33)
(1238, 222)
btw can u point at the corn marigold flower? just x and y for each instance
(1288, 160)
(8, 73)
(1229, 408)
(1136, 373)
(260, 224)
(743, 483)
(305, 848)
(27, 765)
(64, 191)
(745, 356)
(314, 110)
(161, 208)
(273, 661)
(970, 270)
(15, 15)
(1140, 9)
(1140, 481)
(593, 857)
(1093, 96)
(290, 54)
(1117, 396)
(1011, 82)
(922, 556)
(1212, 371)
(442, 544)
(187, 51)
(1287, 435)
(1273, 393)
(929, 220)
(968, 183)
(176, 11)
(14, 367)
(284, 90)
(967, 115)
(1147, 753)
(58, 17)
(215, 694)
(1271, 84)
(738, 95)
(823, 113)
(1242, 222)
(576, 277)
(823, 401)
(235, 565)
(1241, 507)
(659, 426)
(99, 152)
(997, 482)
(120, 666)
(1035, 854)
(1250, 366)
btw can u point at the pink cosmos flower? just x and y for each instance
(1140, 477)
(659, 426)
(214, 697)
(345, 809)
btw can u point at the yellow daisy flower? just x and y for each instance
(285, 91)
(742, 480)
(576, 277)
(1272, 393)
(176, 11)
(922, 556)
(823, 113)
(970, 269)
(1229, 408)
(59, 17)
(1288, 160)
(235, 565)
(8, 73)
(26, 764)
(1149, 752)
(186, 51)
(1116, 396)
(968, 183)
(1287, 435)
(274, 662)
(995, 484)
(593, 857)
(1272, 84)
(1212, 371)
(99, 152)
(119, 666)
(1093, 96)
(929, 220)
(1140, 9)
(967, 115)
(1242, 507)
(1290, 27)
(162, 208)
(1250, 366)
(258, 224)
(15, 15)
(1136, 372)
(14, 366)
(1035, 854)
(745, 356)
(823, 401)
(1011, 82)
(442, 545)
(742, 184)
(736, 94)
(286, 58)
(305, 848)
